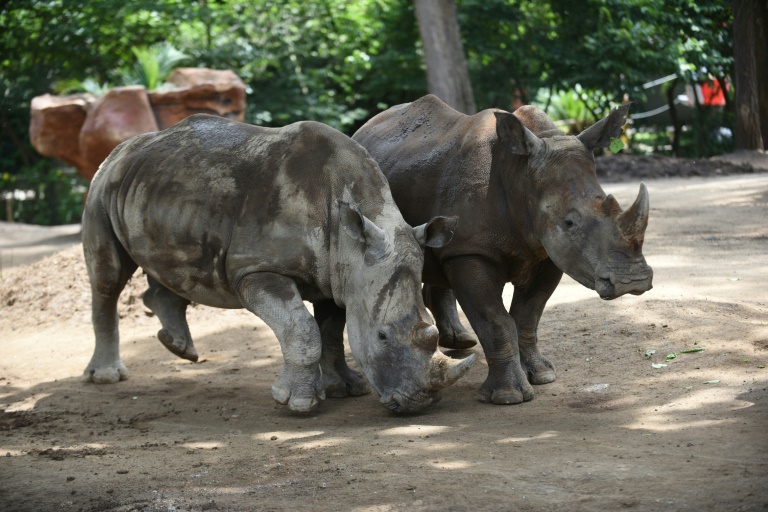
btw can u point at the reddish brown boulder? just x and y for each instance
(55, 124)
(115, 117)
(201, 90)
(184, 77)
(82, 130)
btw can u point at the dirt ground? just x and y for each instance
(613, 432)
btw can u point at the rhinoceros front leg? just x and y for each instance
(527, 306)
(478, 286)
(109, 268)
(339, 380)
(171, 309)
(276, 300)
(442, 303)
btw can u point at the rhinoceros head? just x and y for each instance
(583, 230)
(391, 334)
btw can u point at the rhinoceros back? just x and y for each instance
(209, 199)
(438, 162)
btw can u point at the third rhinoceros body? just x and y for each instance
(232, 215)
(531, 208)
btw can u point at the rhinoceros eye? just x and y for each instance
(382, 335)
(571, 219)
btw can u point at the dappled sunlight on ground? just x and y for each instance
(612, 432)
(416, 430)
(543, 435)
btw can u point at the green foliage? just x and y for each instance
(332, 61)
(44, 194)
(340, 61)
(74, 85)
(153, 65)
(568, 109)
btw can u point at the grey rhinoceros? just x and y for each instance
(238, 216)
(531, 208)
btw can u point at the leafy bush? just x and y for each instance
(153, 65)
(44, 194)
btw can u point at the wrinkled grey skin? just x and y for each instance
(231, 215)
(530, 208)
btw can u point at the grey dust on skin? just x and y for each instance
(531, 208)
(237, 216)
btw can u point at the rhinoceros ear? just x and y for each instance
(599, 134)
(515, 136)
(358, 227)
(351, 222)
(437, 232)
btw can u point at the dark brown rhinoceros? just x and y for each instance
(530, 207)
(232, 216)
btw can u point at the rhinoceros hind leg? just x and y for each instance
(339, 380)
(109, 268)
(276, 300)
(171, 309)
(453, 334)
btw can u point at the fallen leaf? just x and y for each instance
(691, 350)
(616, 145)
(649, 353)
(711, 382)
(658, 365)
(671, 356)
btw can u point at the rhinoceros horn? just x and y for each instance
(632, 223)
(444, 371)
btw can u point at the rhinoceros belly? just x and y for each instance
(184, 246)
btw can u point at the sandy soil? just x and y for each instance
(611, 433)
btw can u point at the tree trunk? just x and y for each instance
(747, 118)
(447, 73)
(761, 62)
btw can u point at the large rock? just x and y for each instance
(115, 117)
(55, 124)
(82, 130)
(201, 90)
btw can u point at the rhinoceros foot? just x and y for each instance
(498, 395)
(300, 390)
(345, 383)
(543, 377)
(538, 368)
(179, 345)
(105, 373)
(457, 340)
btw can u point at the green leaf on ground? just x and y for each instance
(691, 350)
(671, 356)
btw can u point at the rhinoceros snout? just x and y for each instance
(443, 371)
(610, 287)
(402, 404)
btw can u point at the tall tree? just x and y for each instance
(761, 60)
(747, 124)
(447, 72)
